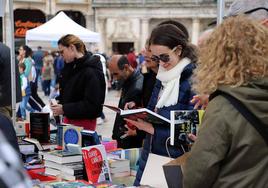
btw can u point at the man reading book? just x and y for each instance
(132, 82)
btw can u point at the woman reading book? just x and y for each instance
(81, 84)
(176, 56)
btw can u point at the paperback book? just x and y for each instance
(62, 157)
(184, 122)
(140, 113)
(96, 163)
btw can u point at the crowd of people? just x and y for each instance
(226, 75)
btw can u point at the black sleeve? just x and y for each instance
(8, 130)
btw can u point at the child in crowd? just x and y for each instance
(25, 91)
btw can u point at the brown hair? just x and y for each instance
(69, 39)
(170, 36)
(235, 54)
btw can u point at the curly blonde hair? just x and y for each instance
(235, 54)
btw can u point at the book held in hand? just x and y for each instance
(140, 113)
(184, 122)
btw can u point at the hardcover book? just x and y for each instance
(182, 123)
(96, 163)
(140, 113)
(39, 127)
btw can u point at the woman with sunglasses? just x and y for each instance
(81, 84)
(176, 56)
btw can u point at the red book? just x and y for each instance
(97, 166)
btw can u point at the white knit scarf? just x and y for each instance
(171, 83)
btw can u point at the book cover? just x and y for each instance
(39, 127)
(71, 135)
(89, 138)
(140, 113)
(96, 163)
(22, 128)
(182, 123)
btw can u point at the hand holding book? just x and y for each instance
(142, 125)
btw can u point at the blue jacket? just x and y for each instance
(157, 143)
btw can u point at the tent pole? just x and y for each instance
(13, 63)
(220, 11)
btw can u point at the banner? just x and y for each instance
(2, 7)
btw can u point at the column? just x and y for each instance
(195, 30)
(101, 28)
(144, 32)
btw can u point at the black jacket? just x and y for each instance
(8, 130)
(131, 91)
(5, 77)
(82, 88)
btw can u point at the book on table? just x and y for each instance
(69, 168)
(40, 126)
(62, 157)
(96, 163)
(140, 113)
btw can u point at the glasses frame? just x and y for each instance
(159, 58)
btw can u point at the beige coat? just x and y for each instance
(229, 152)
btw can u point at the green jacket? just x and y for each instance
(229, 152)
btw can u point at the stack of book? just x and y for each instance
(132, 155)
(65, 164)
(119, 167)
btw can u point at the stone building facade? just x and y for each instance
(126, 23)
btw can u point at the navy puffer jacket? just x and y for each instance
(157, 143)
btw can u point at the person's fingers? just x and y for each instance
(196, 106)
(192, 137)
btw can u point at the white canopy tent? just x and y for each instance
(50, 32)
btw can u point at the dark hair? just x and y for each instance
(122, 61)
(170, 36)
(28, 51)
(178, 25)
(69, 39)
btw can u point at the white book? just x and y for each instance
(62, 157)
(51, 164)
(119, 169)
(52, 171)
(120, 174)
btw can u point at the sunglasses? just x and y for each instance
(165, 58)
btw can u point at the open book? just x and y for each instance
(140, 113)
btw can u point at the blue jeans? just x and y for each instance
(24, 107)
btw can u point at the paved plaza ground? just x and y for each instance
(106, 128)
